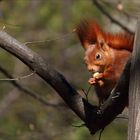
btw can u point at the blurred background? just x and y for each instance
(46, 26)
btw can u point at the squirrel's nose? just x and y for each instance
(90, 67)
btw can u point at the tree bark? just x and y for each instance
(95, 118)
(134, 91)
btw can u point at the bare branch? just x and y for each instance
(120, 10)
(95, 118)
(17, 78)
(27, 91)
(102, 9)
(50, 40)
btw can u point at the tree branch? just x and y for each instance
(95, 118)
(122, 11)
(29, 92)
(98, 5)
(134, 90)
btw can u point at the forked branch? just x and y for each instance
(94, 118)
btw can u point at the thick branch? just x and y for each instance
(44, 70)
(94, 118)
(134, 90)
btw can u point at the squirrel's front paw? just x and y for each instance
(96, 79)
(92, 81)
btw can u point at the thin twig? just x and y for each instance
(81, 125)
(125, 118)
(102, 9)
(29, 92)
(86, 92)
(100, 134)
(49, 40)
(18, 78)
(120, 11)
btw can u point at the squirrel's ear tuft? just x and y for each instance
(88, 32)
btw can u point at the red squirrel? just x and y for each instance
(105, 56)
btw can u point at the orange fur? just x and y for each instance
(120, 41)
(89, 32)
(105, 56)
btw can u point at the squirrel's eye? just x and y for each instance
(98, 56)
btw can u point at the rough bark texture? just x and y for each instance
(95, 118)
(134, 91)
